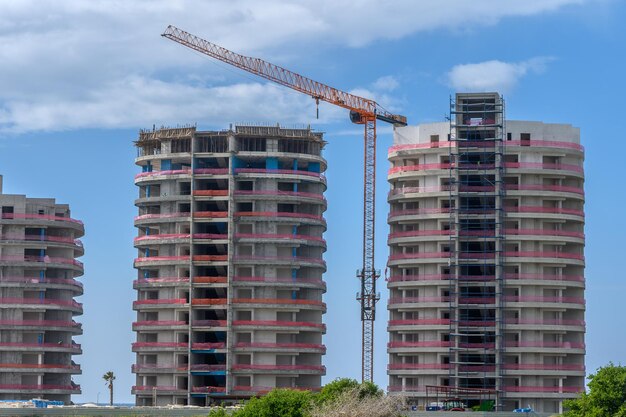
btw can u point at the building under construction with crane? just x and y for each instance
(487, 258)
(363, 111)
(230, 241)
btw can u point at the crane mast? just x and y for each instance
(362, 111)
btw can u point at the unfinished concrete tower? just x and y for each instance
(486, 259)
(229, 292)
(38, 270)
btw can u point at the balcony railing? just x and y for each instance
(290, 280)
(38, 366)
(278, 172)
(210, 193)
(160, 301)
(542, 344)
(280, 214)
(159, 323)
(546, 322)
(209, 323)
(277, 193)
(41, 301)
(555, 390)
(511, 165)
(201, 346)
(414, 300)
(280, 346)
(547, 210)
(543, 299)
(420, 322)
(162, 216)
(20, 216)
(40, 323)
(253, 367)
(42, 387)
(159, 388)
(542, 367)
(278, 236)
(212, 236)
(209, 389)
(424, 344)
(32, 280)
(159, 345)
(154, 366)
(289, 301)
(74, 346)
(276, 323)
(551, 188)
(40, 238)
(41, 259)
(290, 259)
(418, 366)
(216, 171)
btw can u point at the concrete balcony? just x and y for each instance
(41, 304)
(555, 213)
(147, 219)
(282, 282)
(158, 304)
(416, 347)
(43, 242)
(538, 369)
(39, 283)
(291, 218)
(42, 262)
(280, 347)
(148, 391)
(279, 369)
(422, 324)
(293, 261)
(276, 325)
(159, 325)
(161, 282)
(284, 196)
(278, 303)
(73, 348)
(151, 200)
(145, 347)
(275, 238)
(161, 260)
(280, 174)
(151, 368)
(26, 368)
(218, 325)
(418, 368)
(416, 302)
(177, 238)
(563, 191)
(42, 325)
(39, 390)
(44, 220)
(418, 214)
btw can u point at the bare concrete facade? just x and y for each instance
(487, 257)
(38, 270)
(230, 240)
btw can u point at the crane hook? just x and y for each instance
(317, 107)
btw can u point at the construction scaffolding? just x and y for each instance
(485, 399)
(476, 191)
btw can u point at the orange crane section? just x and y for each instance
(362, 111)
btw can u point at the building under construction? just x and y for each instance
(38, 270)
(486, 257)
(230, 241)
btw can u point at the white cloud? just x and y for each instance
(81, 63)
(493, 75)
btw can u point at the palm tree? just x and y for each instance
(109, 377)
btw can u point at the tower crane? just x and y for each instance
(362, 111)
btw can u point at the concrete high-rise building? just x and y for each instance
(486, 259)
(38, 270)
(229, 289)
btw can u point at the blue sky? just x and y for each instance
(79, 78)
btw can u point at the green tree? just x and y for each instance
(334, 389)
(278, 403)
(606, 396)
(109, 377)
